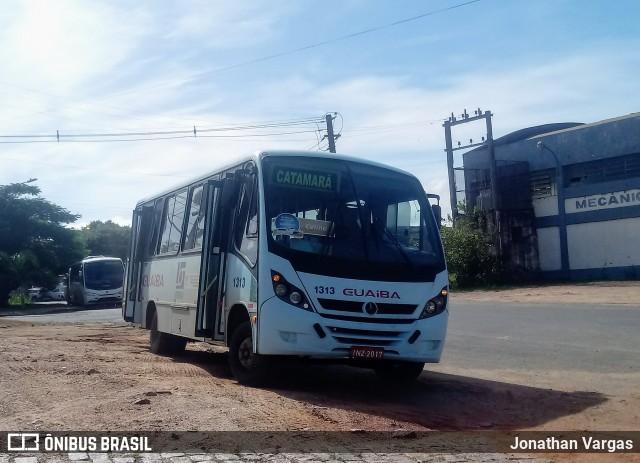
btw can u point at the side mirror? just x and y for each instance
(437, 213)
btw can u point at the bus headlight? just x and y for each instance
(431, 307)
(295, 297)
(435, 305)
(288, 293)
(280, 290)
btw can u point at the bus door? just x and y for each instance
(210, 285)
(142, 225)
(221, 199)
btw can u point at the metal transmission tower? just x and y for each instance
(488, 141)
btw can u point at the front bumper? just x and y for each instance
(287, 330)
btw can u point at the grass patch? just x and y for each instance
(19, 298)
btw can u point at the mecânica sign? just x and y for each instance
(285, 176)
(603, 201)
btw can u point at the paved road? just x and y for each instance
(586, 347)
(61, 313)
(569, 337)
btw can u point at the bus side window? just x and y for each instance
(174, 218)
(195, 221)
(246, 227)
(252, 222)
(157, 224)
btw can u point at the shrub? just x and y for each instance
(469, 260)
(19, 297)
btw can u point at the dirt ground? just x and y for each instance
(597, 292)
(102, 377)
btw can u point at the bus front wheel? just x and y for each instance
(164, 343)
(248, 368)
(399, 372)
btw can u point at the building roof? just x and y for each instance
(527, 133)
(544, 130)
(583, 126)
(536, 131)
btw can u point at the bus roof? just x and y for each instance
(90, 259)
(257, 156)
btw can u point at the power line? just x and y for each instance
(177, 137)
(159, 135)
(230, 127)
(166, 135)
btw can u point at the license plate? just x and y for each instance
(366, 353)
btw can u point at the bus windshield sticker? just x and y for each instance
(286, 224)
(315, 227)
(303, 178)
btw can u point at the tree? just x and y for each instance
(22, 267)
(106, 239)
(32, 230)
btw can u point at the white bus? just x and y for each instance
(95, 280)
(292, 254)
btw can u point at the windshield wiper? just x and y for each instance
(324, 249)
(398, 246)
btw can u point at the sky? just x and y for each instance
(99, 99)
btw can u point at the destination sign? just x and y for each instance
(302, 178)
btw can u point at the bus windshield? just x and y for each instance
(342, 217)
(102, 275)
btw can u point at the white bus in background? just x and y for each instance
(292, 254)
(95, 280)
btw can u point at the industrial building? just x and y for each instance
(562, 201)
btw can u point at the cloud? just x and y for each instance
(117, 67)
(227, 25)
(380, 115)
(58, 45)
(583, 87)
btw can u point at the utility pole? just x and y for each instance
(562, 221)
(464, 119)
(330, 137)
(452, 174)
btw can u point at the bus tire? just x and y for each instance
(398, 372)
(179, 345)
(164, 343)
(247, 367)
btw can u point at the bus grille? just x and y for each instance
(369, 319)
(384, 308)
(366, 337)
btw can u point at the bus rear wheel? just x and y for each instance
(164, 343)
(399, 372)
(248, 368)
